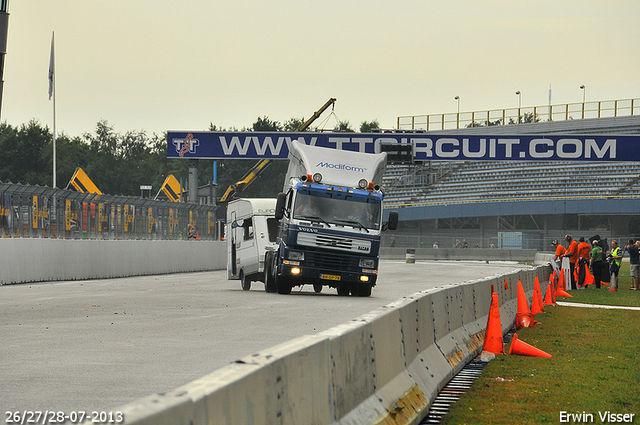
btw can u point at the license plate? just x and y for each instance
(329, 277)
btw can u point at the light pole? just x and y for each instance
(4, 28)
(457, 98)
(519, 105)
(584, 96)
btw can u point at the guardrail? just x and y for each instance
(41, 211)
(561, 112)
(385, 366)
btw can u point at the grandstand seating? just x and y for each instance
(510, 180)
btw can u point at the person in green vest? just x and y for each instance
(598, 265)
(615, 260)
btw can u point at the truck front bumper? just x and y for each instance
(297, 273)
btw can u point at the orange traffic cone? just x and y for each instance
(493, 341)
(537, 306)
(562, 279)
(561, 290)
(589, 279)
(521, 348)
(562, 293)
(549, 297)
(506, 284)
(524, 318)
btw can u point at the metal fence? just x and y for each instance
(561, 112)
(37, 211)
(495, 239)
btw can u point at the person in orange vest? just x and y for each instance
(572, 253)
(584, 249)
(559, 251)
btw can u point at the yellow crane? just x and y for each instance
(261, 165)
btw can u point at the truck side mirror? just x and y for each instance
(280, 203)
(392, 224)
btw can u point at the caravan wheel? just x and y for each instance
(245, 281)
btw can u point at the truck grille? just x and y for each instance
(326, 260)
(334, 242)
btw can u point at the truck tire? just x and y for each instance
(269, 278)
(245, 281)
(362, 291)
(283, 286)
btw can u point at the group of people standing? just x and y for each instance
(604, 267)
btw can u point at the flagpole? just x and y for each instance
(52, 93)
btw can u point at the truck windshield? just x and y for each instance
(361, 212)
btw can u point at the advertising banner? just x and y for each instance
(103, 216)
(424, 146)
(152, 219)
(6, 220)
(129, 216)
(71, 209)
(40, 211)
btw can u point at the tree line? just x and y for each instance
(119, 163)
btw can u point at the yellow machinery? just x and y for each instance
(171, 188)
(257, 169)
(82, 183)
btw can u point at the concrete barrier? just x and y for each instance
(37, 260)
(453, 254)
(386, 366)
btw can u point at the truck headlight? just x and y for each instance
(296, 255)
(368, 263)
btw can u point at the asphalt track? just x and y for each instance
(98, 344)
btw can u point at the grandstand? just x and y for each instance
(512, 181)
(440, 199)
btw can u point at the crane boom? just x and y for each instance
(261, 165)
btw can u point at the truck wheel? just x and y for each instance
(245, 281)
(362, 291)
(317, 287)
(269, 279)
(283, 286)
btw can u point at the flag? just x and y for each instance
(51, 68)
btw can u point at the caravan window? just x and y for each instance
(248, 229)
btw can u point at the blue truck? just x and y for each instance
(330, 217)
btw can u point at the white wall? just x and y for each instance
(35, 260)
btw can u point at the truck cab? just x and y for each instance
(328, 236)
(330, 215)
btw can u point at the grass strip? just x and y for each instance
(595, 368)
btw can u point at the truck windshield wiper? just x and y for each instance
(313, 218)
(357, 223)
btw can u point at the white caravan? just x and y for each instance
(251, 230)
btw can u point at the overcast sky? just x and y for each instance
(179, 65)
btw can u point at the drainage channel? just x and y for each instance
(454, 389)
